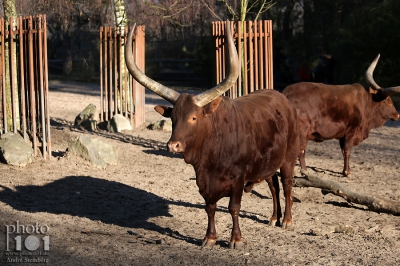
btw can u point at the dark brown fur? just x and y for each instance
(233, 142)
(343, 112)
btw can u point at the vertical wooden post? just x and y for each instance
(32, 85)
(22, 77)
(251, 57)
(120, 73)
(110, 76)
(270, 56)
(240, 53)
(3, 102)
(3, 81)
(106, 83)
(260, 54)
(256, 62)
(132, 87)
(140, 90)
(12, 72)
(115, 72)
(101, 75)
(246, 66)
(41, 93)
(46, 86)
(125, 79)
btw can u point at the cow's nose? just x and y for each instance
(174, 146)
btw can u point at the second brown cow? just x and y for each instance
(343, 112)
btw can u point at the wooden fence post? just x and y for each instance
(254, 44)
(119, 94)
(30, 100)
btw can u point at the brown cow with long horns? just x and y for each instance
(343, 112)
(231, 142)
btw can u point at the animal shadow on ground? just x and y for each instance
(344, 205)
(97, 199)
(101, 200)
(330, 172)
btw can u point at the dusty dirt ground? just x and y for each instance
(154, 195)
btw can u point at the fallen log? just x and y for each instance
(374, 203)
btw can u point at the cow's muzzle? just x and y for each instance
(174, 146)
(395, 117)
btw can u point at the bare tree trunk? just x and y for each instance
(119, 13)
(10, 13)
(120, 21)
(373, 203)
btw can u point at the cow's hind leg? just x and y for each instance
(234, 209)
(303, 139)
(273, 184)
(345, 146)
(211, 234)
(287, 183)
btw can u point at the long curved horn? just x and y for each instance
(370, 79)
(213, 93)
(168, 94)
(369, 74)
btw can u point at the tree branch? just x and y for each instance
(211, 11)
(373, 203)
(230, 9)
(266, 4)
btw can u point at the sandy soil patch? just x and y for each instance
(154, 195)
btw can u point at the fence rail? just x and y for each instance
(253, 41)
(24, 81)
(120, 93)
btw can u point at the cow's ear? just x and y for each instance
(163, 110)
(372, 91)
(212, 106)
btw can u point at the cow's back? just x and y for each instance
(328, 111)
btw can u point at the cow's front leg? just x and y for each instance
(234, 209)
(273, 184)
(211, 234)
(345, 146)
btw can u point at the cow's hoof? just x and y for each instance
(208, 243)
(273, 222)
(287, 225)
(236, 245)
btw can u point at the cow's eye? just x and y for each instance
(192, 119)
